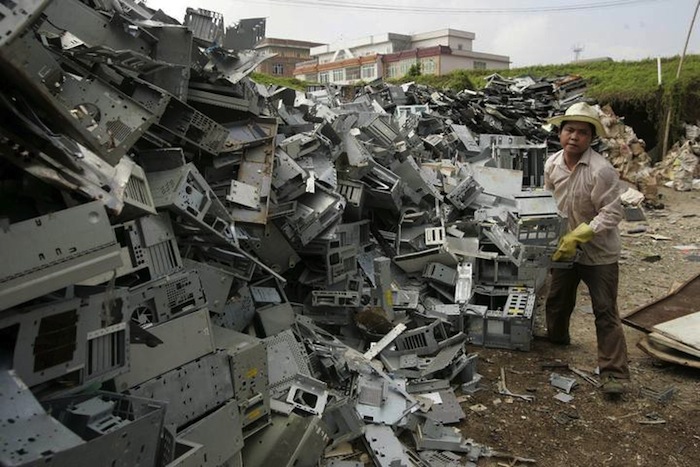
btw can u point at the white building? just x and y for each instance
(391, 55)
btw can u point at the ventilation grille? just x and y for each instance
(106, 351)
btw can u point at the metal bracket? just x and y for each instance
(308, 394)
(377, 347)
(502, 389)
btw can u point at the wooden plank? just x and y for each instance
(685, 329)
(663, 340)
(667, 354)
(680, 302)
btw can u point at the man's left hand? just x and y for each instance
(568, 243)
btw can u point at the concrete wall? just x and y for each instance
(453, 62)
(450, 63)
(378, 43)
(455, 39)
(460, 43)
(288, 64)
(367, 49)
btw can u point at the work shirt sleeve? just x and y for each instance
(605, 196)
(548, 185)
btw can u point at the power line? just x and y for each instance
(340, 4)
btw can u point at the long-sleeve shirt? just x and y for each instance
(589, 193)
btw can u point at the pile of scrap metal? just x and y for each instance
(513, 106)
(196, 268)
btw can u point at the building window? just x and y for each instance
(278, 69)
(323, 77)
(405, 65)
(369, 71)
(459, 46)
(352, 74)
(479, 65)
(393, 71)
(427, 66)
(338, 75)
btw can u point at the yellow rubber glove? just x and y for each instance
(568, 243)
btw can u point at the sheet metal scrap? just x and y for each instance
(585, 376)
(662, 396)
(275, 232)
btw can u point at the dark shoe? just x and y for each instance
(612, 386)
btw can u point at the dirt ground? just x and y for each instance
(592, 430)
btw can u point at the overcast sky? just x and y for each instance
(545, 34)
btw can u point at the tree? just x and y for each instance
(414, 71)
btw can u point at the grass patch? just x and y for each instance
(267, 80)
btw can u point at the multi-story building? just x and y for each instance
(391, 55)
(288, 53)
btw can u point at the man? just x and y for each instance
(585, 186)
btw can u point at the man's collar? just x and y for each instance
(585, 158)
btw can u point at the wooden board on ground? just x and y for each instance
(657, 338)
(685, 329)
(680, 302)
(667, 354)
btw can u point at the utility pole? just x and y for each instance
(678, 74)
(577, 51)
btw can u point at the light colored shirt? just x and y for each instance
(589, 193)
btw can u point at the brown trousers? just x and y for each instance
(602, 282)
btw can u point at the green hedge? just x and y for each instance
(293, 83)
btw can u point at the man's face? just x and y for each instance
(575, 137)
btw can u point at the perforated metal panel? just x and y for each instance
(191, 390)
(153, 243)
(247, 357)
(385, 448)
(297, 440)
(219, 433)
(255, 171)
(15, 16)
(49, 252)
(184, 339)
(127, 435)
(137, 195)
(65, 341)
(343, 422)
(107, 352)
(286, 358)
(26, 429)
(162, 299)
(216, 283)
(238, 311)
